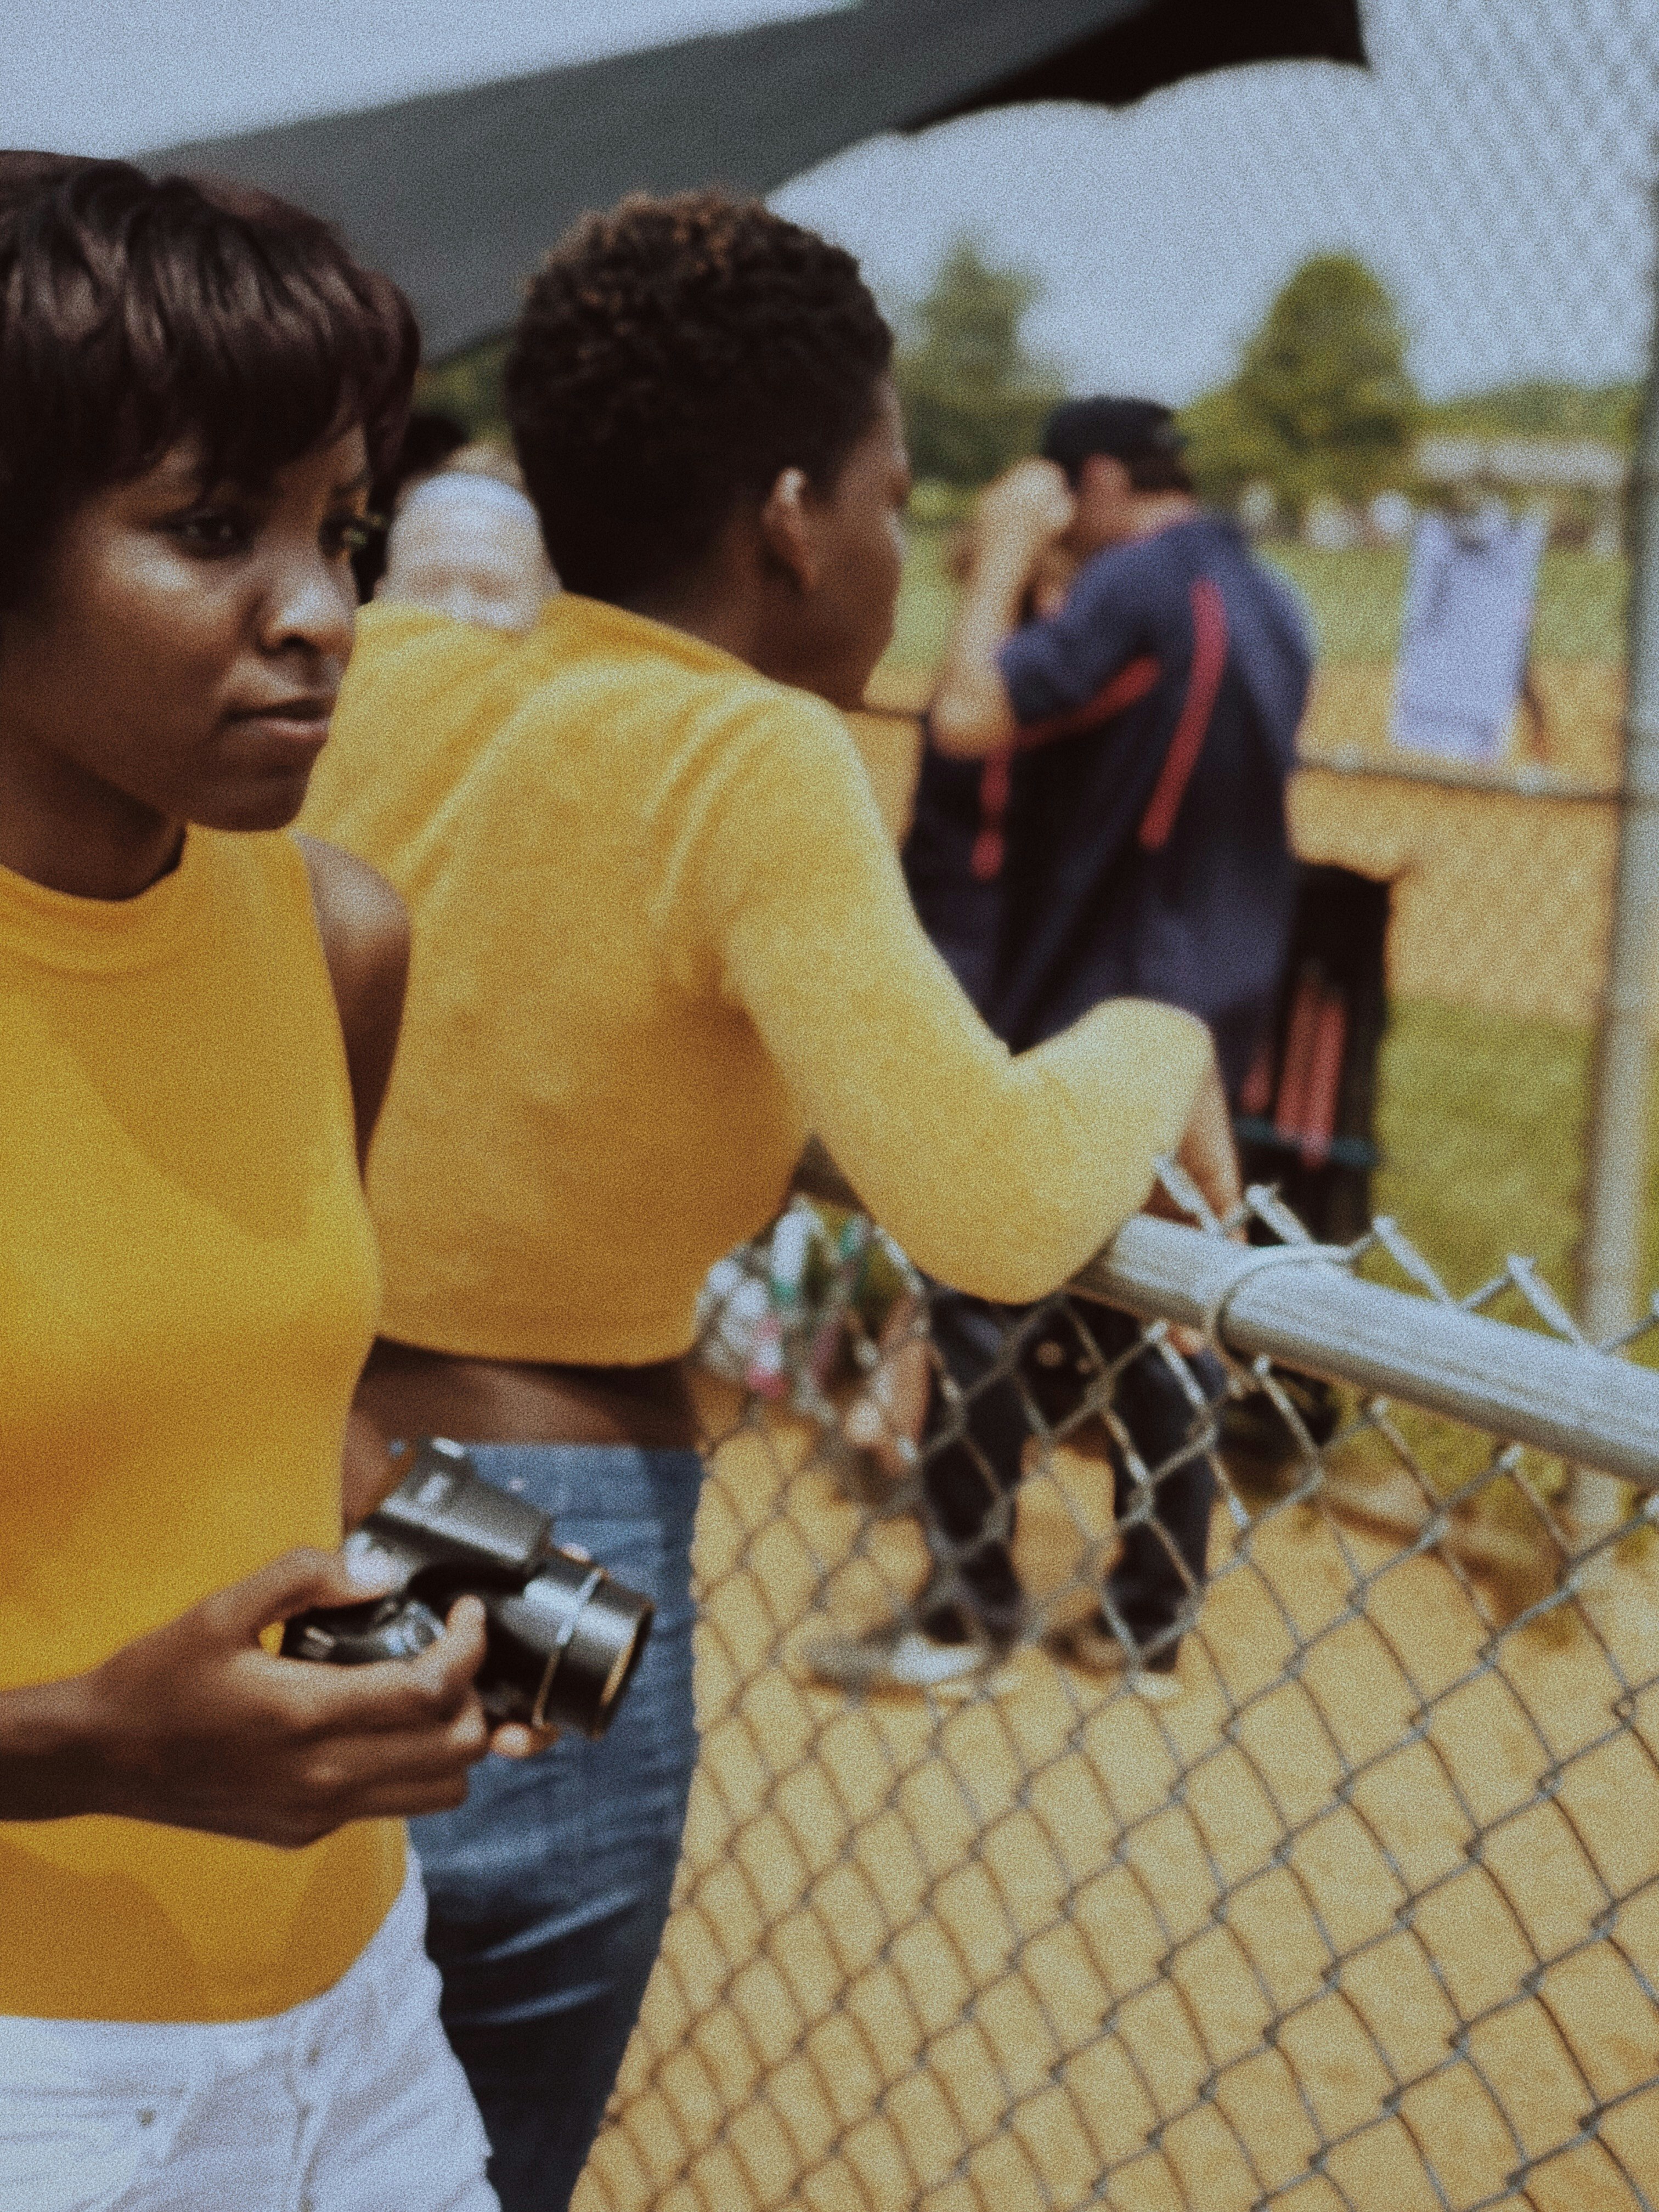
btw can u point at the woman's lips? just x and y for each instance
(296, 728)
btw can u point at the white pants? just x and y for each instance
(352, 2102)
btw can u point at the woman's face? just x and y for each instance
(177, 661)
(859, 541)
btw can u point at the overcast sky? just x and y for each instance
(1493, 167)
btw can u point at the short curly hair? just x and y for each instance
(673, 355)
(136, 315)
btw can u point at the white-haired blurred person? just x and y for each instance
(464, 542)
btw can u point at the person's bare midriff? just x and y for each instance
(407, 1391)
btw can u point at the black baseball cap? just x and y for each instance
(1124, 428)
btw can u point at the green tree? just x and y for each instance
(1225, 449)
(974, 398)
(1323, 402)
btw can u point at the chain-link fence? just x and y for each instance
(1335, 1882)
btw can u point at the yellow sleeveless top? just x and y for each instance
(188, 1287)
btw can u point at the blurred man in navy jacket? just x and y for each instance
(1101, 814)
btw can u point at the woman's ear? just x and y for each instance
(786, 529)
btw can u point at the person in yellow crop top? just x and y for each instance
(661, 933)
(212, 1990)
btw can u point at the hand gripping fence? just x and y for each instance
(1364, 1915)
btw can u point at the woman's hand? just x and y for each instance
(196, 1726)
(1209, 1155)
(1207, 1150)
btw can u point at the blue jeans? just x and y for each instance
(549, 1889)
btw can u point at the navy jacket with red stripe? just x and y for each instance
(1132, 841)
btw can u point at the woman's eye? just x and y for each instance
(349, 534)
(214, 530)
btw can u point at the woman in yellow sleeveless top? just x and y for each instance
(212, 1990)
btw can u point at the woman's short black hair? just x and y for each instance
(673, 355)
(136, 315)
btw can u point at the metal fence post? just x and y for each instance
(1616, 1167)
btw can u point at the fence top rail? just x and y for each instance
(1301, 1305)
(1526, 779)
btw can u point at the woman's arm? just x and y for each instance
(1019, 519)
(364, 927)
(365, 932)
(999, 1174)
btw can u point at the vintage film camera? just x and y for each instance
(564, 1639)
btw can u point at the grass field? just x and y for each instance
(1354, 598)
(1481, 1127)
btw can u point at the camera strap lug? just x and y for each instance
(578, 1607)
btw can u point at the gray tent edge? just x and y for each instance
(458, 194)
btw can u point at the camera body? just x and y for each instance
(563, 1639)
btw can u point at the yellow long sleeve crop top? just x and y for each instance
(188, 1287)
(661, 933)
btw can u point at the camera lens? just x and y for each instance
(564, 1648)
